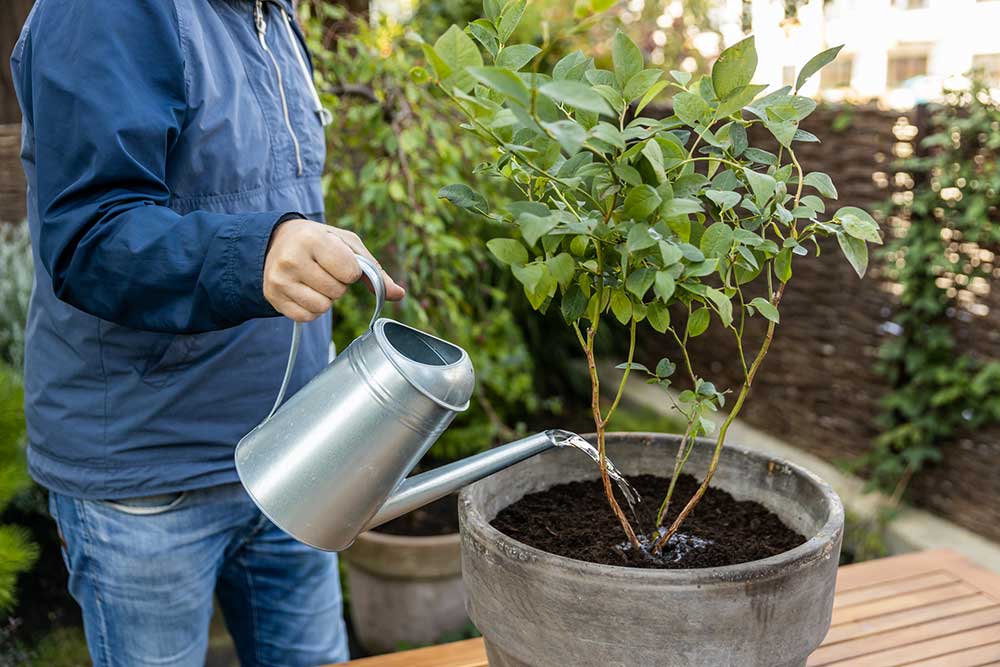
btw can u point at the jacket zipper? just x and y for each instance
(261, 25)
(324, 115)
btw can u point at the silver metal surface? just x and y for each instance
(427, 487)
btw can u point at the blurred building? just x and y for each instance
(900, 51)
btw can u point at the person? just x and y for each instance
(173, 152)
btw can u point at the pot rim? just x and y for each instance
(818, 547)
(390, 540)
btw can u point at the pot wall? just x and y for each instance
(538, 609)
(404, 591)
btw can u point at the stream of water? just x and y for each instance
(563, 438)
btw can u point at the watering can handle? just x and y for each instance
(374, 274)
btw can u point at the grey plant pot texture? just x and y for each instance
(541, 610)
(404, 591)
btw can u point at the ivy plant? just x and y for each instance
(939, 390)
(664, 223)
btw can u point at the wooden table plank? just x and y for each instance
(928, 609)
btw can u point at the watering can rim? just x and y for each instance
(391, 353)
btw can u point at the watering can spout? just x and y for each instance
(427, 487)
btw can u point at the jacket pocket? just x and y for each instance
(147, 505)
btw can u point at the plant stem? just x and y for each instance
(628, 369)
(595, 405)
(678, 464)
(675, 526)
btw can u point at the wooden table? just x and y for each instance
(927, 609)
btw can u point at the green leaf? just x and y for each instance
(698, 322)
(640, 202)
(516, 56)
(654, 156)
(858, 224)
(634, 365)
(766, 308)
(735, 67)
(441, 69)
(722, 303)
(690, 108)
(856, 252)
(738, 99)
(680, 206)
(492, 9)
(650, 95)
(724, 199)
(815, 64)
(762, 185)
(671, 253)
(665, 368)
(664, 285)
(639, 281)
(783, 265)
(783, 131)
(574, 303)
(458, 51)
(621, 306)
(509, 19)
(562, 267)
(717, 240)
(463, 196)
(639, 238)
(534, 227)
(569, 134)
(658, 315)
(508, 251)
(822, 182)
(609, 134)
(529, 275)
(640, 83)
(503, 81)
(576, 94)
(626, 57)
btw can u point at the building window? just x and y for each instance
(905, 66)
(987, 65)
(838, 73)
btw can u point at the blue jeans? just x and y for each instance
(144, 572)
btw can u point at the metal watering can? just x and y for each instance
(331, 462)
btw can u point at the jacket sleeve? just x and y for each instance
(103, 85)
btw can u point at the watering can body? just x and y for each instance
(332, 461)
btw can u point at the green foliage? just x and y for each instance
(609, 205)
(393, 147)
(17, 553)
(65, 647)
(939, 391)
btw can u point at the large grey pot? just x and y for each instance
(534, 608)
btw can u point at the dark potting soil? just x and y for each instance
(574, 520)
(438, 518)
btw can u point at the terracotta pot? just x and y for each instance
(535, 608)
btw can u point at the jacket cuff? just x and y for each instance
(245, 263)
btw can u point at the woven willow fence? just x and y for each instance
(819, 388)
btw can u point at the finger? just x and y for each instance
(393, 292)
(307, 298)
(337, 259)
(294, 312)
(316, 277)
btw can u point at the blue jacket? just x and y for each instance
(163, 140)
